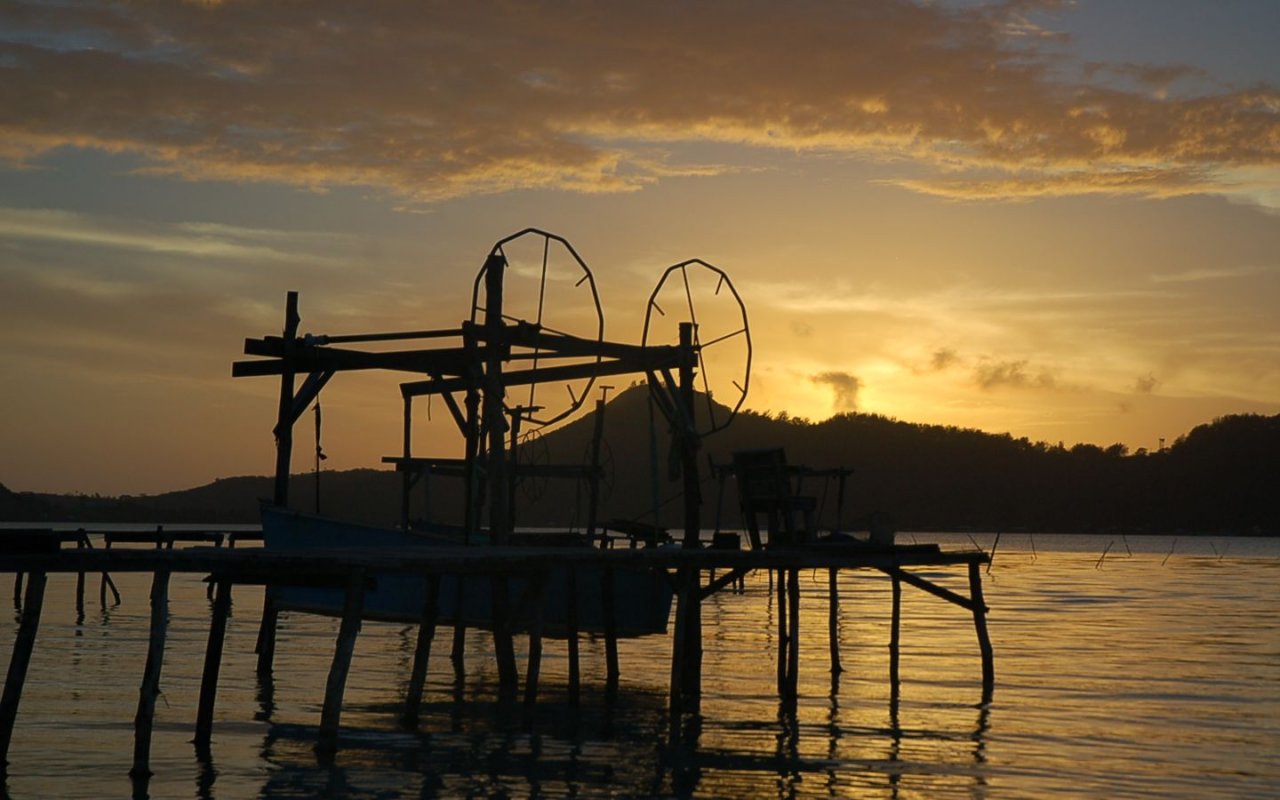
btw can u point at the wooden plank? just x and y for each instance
(934, 589)
(150, 688)
(19, 662)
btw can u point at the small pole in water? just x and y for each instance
(1104, 554)
(19, 661)
(150, 689)
(992, 557)
(1171, 547)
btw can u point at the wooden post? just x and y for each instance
(266, 646)
(571, 624)
(458, 654)
(422, 653)
(980, 623)
(336, 685)
(781, 584)
(504, 651)
(150, 689)
(833, 619)
(19, 661)
(212, 664)
(683, 696)
(534, 665)
(17, 591)
(80, 544)
(793, 641)
(895, 625)
(609, 607)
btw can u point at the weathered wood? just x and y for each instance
(781, 588)
(609, 603)
(793, 642)
(20, 661)
(932, 588)
(895, 625)
(533, 666)
(571, 633)
(984, 640)
(212, 664)
(336, 685)
(833, 620)
(422, 652)
(150, 688)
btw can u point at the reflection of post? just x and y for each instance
(980, 623)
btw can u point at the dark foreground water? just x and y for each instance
(1154, 672)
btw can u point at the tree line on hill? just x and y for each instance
(1219, 477)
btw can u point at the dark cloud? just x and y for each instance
(1146, 384)
(943, 359)
(996, 374)
(432, 100)
(845, 387)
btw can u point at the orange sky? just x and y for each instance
(1048, 218)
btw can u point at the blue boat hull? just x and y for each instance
(642, 598)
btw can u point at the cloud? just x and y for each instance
(433, 100)
(1214, 274)
(942, 359)
(845, 387)
(993, 375)
(1146, 384)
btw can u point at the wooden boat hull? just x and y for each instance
(642, 598)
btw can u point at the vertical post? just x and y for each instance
(612, 673)
(150, 689)
(212, 664)
(895, 626)
(782, 631)
(534, 665)
(495, 421)
(80, 545)
(336, 685)
(458, 653)
(593, 483)
(571, 633)
(833, 619)
(19, 661)
(684, 693)
(422, 653)
(266, 646)
(17, 591)
(691, 684)
(980, 624)
(793, 641)
(406, 477)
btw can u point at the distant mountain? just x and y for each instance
(1219, 477)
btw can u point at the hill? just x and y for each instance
(1219, 477)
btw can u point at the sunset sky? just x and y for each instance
(1054, 219)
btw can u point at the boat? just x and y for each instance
(642, 596)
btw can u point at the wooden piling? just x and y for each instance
(980, 624)
(20, 660)
(422, 653)
(793, 641)
(571, 633)
(17, 591)
(609, 604)
(833, 619)
(336, 685)
(80, 545)
(781, 588)
(504, 651)
(533, 667)
(150, 688)
(212, 664)
(266, 645)
(895, 625)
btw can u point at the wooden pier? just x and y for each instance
(691, 570)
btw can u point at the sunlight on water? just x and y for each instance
(1151, 672)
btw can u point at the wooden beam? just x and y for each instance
(980, 624)
(724, 580)
(934, 589)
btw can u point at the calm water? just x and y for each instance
(1150, 674)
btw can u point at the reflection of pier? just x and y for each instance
(354, 570)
